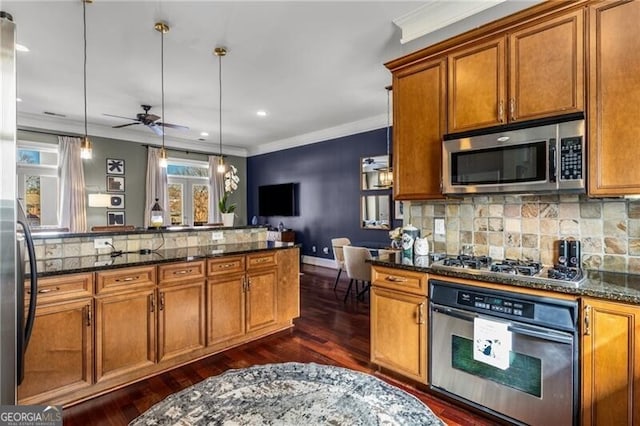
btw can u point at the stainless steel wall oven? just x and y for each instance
(538, 382)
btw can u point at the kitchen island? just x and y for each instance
(137, 309)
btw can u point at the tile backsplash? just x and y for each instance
(519, 227)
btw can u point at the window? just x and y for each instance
(188, 187)
(37, 180)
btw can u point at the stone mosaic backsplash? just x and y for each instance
(56, 252)
(519, 227)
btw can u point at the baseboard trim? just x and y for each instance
(319, 261)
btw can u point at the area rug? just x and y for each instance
(290, 394)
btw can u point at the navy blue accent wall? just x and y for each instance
(328, 178)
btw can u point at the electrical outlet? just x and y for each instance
(217, 235)
(313, 249)
(438, 226)
(102, 243)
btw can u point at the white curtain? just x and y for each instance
(72, 211)
(216, 183)
(156, 187)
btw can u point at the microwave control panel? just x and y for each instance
(571, 156)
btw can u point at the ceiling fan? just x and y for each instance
(149, 120)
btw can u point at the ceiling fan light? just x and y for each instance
(86, 149)
(163, 158)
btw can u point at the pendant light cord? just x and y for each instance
(162, 81)
(220, 100)
(388, 124)
(84, 36)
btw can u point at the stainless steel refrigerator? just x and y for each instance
(15, 238)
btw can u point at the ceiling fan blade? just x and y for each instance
(125, 125)
(172, 126)
(119, 116)
(155, 128)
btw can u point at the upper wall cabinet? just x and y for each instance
(418, 125)
(614, 96)
(534, 72)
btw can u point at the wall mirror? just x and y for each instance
(375, 173)
(375, 211)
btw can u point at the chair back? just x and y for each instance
(355, 263)
(338, 255)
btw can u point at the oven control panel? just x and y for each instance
(492, 303)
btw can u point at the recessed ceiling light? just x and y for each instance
(261, 113)
(18, 99)
(21, 48)
(204, 134)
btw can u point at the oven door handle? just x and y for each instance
(452, 312)
(543, 335)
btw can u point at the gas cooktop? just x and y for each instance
(524, 268)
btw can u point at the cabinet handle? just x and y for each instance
(248, 284)
(420, 314)
(152, 303)
(226, 265)
(161, 304)
(262, 260)
(587, 320)
(128, 279)
(512, 108)
(395, 279)
(501, 111)
(184, 271)
(45, 290)
(88, 310)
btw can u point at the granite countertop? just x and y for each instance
(106, 261)
(44, 233)
(613, 286)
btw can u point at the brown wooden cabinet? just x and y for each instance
(399, 321)
(614, 96)
(125, 321)
(242, 295)
(59, 358)
(288, 284)
(181, 309)
(610, 353)
(533, 72)
(419, 116)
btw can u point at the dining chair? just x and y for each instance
(337, 244)
(355, 260)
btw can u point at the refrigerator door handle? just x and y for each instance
(33, 296)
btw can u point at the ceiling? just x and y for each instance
(315, 67)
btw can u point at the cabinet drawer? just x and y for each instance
(62, 287)
(126, 279)
(180, 271)
(399, 279)
(225, 265)
(261, 260)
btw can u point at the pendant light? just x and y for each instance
(386, 176)
(220, 52)
(86, 151)
(162, 28)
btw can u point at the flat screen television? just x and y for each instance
(277, 200)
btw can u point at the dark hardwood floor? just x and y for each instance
(327, 332)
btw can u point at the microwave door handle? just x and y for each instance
(553, 161)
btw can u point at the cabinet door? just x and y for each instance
(261, 299)
(477, 86)
(181, 319)
(59, 356)
(610, 363)
(546, 64)
(288, 284)
(125, 333)
(399, 332)
(418, 124)
(225, 308)
(614, 96)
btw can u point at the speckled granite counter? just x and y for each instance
(105, 261)
(612, 286)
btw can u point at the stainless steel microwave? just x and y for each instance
(549, 158)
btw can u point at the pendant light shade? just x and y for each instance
(220, 52)
(86, 149)
(162, 28)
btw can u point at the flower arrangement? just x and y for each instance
(231, 181)
(396, 237)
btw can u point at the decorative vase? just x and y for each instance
(409, 235)
(227, 219)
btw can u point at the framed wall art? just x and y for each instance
(115, 218)
(115, 183)
(115, 166)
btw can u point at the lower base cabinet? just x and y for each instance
(610, 363)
